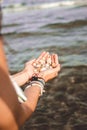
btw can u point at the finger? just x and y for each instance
(43, 57)
(46, 55)
(30, 62)
(40, 57)
(48, 59)
(53, 60)
(56, 59)
(58, 67)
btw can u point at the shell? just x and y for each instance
(43, 65)
(43, 69)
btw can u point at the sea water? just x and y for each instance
(30, 27)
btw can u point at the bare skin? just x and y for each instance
(13, 113)
(28, 70)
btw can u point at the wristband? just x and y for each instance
(35, 81)
(34, 78)
(36, 84)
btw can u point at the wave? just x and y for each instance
(24, 6)
(71, 24)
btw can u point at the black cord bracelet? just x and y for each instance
(34, 78)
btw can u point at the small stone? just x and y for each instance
(43, 69)
(49, 60)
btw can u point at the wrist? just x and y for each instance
(26, 74)
(37, 82)
(42, 76)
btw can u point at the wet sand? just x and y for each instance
(64, 105)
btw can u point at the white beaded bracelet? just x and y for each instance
(36, 83)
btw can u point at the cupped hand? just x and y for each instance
(36, 68)
(50, 73)
(29, 68)
(50, 68)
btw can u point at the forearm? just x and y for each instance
(17, 113)
(3, 62)
(29, 106)
(21, 77)
(32, 94)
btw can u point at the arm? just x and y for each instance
(22, 77)
(15, 114)
(12, 112)
(25, 75)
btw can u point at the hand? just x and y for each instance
(50, 73)
(29, 68)
(45, 72)
(33, 67)
(50, 67)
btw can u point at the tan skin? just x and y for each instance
(13, 114)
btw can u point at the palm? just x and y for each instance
(47, 66)
(29, 68)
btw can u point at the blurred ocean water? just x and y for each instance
(31, 26)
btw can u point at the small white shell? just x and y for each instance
(38, 65)
(49, 60)
(35, 71)
(43, 69)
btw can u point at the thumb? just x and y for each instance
(31, 61)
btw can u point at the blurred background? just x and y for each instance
(58, 26)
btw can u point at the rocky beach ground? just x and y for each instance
(64, 105)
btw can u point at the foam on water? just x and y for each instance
(23, 6)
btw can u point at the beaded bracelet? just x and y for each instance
(35, 81)
(34, 78)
